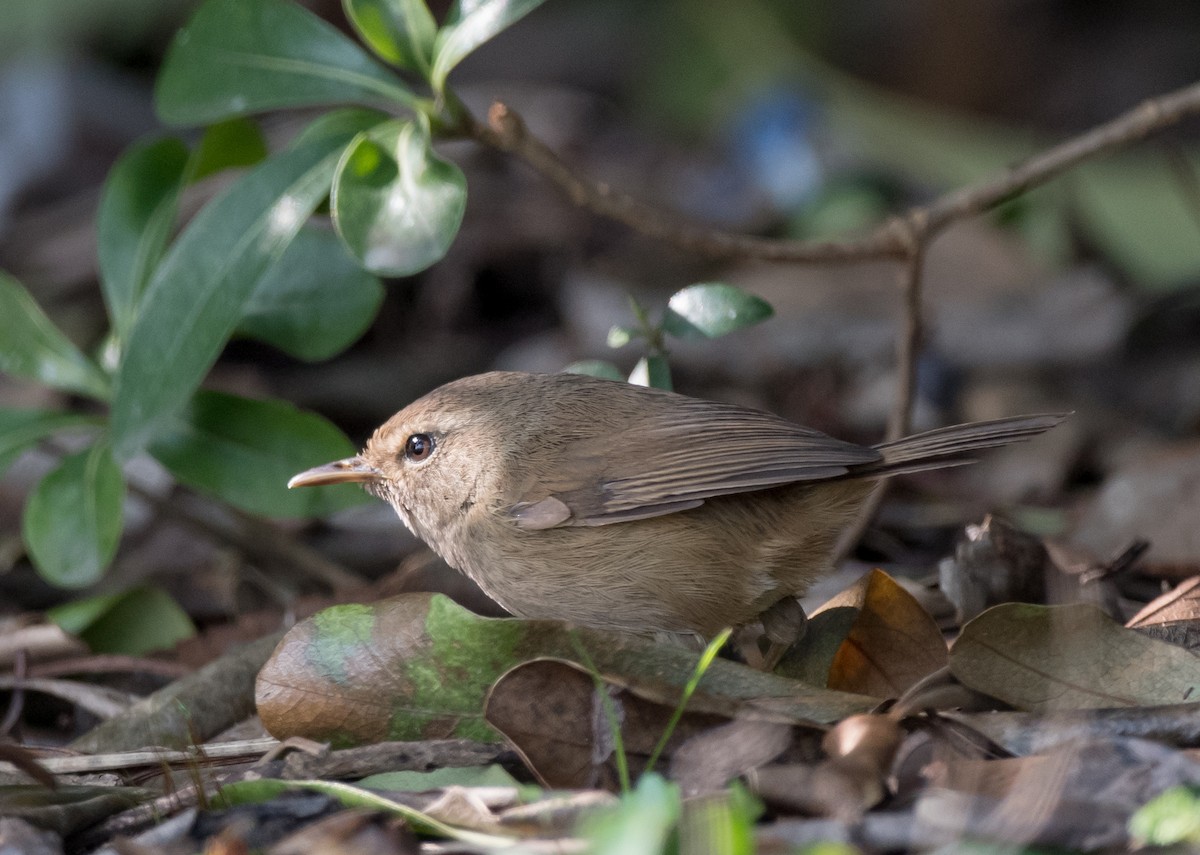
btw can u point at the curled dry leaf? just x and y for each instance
(1173, 617)
(890, 641)
(552, 713)
(845, 785)
(1069, 657)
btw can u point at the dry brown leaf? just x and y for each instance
(892, 644)
(1069, 657)
(1173, 617)
(552, 714)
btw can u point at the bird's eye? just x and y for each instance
(418, 447)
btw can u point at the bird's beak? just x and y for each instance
(352, 470)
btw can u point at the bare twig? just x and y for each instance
(506, 131)
(908, 339)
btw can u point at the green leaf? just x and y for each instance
(20, 429)
(595, 368)
(1169, 819)
(244, 56)
(470, 24)
(619, 336)
(352, 796)
(1134, 208)
(231, 144)
(137, 209)
(641, 824)
(244, 451)
(198, 293)
(400, 31)
(653, 371)
(340, 126)
(315, 302)
(72, 520)
(132, 623)
(711, 310)
(410, 780)
(33, 348)
(395, 203)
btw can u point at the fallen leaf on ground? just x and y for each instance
(1069, 657)
(890, 641)
(1173, 617)
(419, 667)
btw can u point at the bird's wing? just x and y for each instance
(674, 457)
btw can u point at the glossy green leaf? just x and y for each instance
(198, 294)
(339, 126)
(395, 203)
(595, 368)
(33, 348)
(315, 302)
(653, 371)
(72, 520)
(137, 209)
(470, 24)
(244, 451)
(711, 310)
(244, 56)
(132, 623)
(400, 31)
(20, 429)
(231, 144)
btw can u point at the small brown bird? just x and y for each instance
(617, 506)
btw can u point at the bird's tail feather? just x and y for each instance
(948, 446)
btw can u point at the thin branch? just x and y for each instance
(506, 131)
(908, 339)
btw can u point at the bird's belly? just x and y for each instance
(700, 570)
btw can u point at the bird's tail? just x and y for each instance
(951, 446)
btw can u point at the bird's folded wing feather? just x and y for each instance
(678, 457)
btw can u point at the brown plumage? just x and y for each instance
(617, 506)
